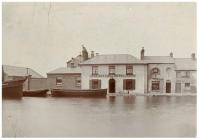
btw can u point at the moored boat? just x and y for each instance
(13, 88)
(36, 93)
(79, 93)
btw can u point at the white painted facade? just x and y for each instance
(139, 74)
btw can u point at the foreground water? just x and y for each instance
(122, 116)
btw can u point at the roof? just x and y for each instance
(158, 59)
(64, 70)
(185, 64)
(112, 59)
(20, 71)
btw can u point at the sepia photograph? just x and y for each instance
(99, 69)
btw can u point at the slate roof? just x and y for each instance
(158, 59)
(64, 70)
(20, 71)
(112, 59)
(185, 64)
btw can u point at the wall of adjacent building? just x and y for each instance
(192, 80)
(163, 77)
(69, 81)
(38, 83)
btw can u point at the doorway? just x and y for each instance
(168, 87)
(111, 85)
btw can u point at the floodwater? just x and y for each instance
(121, 116)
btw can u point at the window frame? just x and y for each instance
(94, 71)
(129, 67)
(111, 67)
(59, 83)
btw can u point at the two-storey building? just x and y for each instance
(186, 74)
(116, 72)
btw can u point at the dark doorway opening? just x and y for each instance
(112, 86)
(168, 87)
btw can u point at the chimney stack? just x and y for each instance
(142, 54)
(171, 54)
(84, 53)
(92, 54)
(193, 56)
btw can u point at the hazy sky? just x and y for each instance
(43, 36)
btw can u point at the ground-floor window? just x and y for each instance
(78, 81)
(187, 86)
(129, 84)
(95, 84)
(155, 85)
(59, 81)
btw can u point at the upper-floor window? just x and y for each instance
(111, 69)
(72, 64)
(187, 74)
(168, 70)
(183, 74)
(155, 71)
(178, 74)
(59, 81)
(95, 70)
(129, 70)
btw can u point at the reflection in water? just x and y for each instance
(121, 116)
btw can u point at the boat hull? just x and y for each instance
(78, 93)
(35, 93)
(13, 89)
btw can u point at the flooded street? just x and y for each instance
(121, 116)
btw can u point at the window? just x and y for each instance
(78, 81)
(95, 84)
(155, 71)
(72, 64)
(59, 81)
(187, 74)
(187, 85)
(129, 70)
(111, 70)
(168, 70)
(95, 70)
(178, 74)
(129, 84)
(155, 85)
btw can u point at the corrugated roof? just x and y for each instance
(158, 59)
(185, 64)
(64, 70)
(20, 71)
(112, 59)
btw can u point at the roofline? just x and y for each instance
(117, 64)
(185, 70)
(142, 63)
(64, 73)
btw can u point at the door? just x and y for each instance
(178, 87)
(112, 86)
(168, 87)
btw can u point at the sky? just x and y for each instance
(44, 36)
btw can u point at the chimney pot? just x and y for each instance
(142, 54)
(92, 54)
(171, 54)
(193, 56)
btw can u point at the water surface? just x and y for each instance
(121, 116)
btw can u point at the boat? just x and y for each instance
(36, 93)
(79, 93)
(13, 88)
